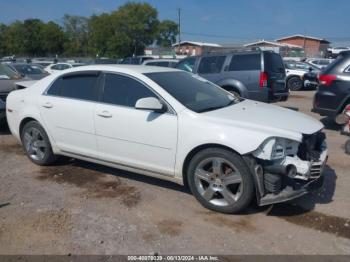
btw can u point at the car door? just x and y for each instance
(67, 109)
(210, 67)
(131, 137)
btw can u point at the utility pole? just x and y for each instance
(179, 24)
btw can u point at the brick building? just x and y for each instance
(193, 48)
(313, 47)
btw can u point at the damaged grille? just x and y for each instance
(311, 147)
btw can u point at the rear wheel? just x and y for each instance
(220, 180)
(37, 144)
(295, 83)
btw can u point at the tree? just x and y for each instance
(53, 38)
(100, 32)
(13, 39)
(167, 32)
(3, 29)
(134, 27)
(76, 30)
(33, 37)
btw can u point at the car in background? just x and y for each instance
(161, 62)
(300, 75)
(31, 71)
(8, 78)
(135, 60)
(335, 51)
(257, 75)
(333, 93)
(61, 66)
(320, 63)
(173, 125)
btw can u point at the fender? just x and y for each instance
(236, 85)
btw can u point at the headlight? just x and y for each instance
(276, 148)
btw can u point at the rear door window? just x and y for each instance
(82, 87)
(211, 64)
(245, 62)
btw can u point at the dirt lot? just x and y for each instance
(81, 208)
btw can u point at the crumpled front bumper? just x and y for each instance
(307, 179)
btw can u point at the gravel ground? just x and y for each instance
(81, 208)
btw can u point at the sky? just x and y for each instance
(216, 21)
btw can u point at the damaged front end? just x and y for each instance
(285, 169)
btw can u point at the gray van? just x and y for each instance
(257, 75)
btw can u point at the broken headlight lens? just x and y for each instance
(276, 148)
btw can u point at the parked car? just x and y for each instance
(161, 62)
(296, 72)
(335, 51)
(135, 60)
(173, 125)
(8, 77)
(31, 71)
(61, 66)
(2, 111)
(257, 75)
(320, 63)
(333, 93)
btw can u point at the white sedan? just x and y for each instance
(173, 125)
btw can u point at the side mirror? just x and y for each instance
(310, 69)
(150, 103)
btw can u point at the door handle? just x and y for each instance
(105, 114)
(47, 105)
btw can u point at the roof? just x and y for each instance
(140, 69)
(271, 43)
(197, 44)
(303, 36)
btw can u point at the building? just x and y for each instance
(193, 48)
(313, 47)
(282, 48)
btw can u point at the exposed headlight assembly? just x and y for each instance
(276, 148)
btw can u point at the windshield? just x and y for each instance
(192, 91)
(29, 69)
(7, 73)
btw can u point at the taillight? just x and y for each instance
(263, 80)
(326, 80)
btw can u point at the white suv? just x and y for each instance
(173, 125)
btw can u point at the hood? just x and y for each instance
(267, 117)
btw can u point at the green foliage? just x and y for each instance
(121, 33)
(167, 32)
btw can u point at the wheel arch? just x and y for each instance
(194, 151)
(345, 102)
(234, 85)
(24, 121)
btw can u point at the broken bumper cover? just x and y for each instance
(298, 186)
(292, 193)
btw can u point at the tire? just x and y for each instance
(220, 180)
(347, 147)
(294, 83)
(37, 145)
(232, 91)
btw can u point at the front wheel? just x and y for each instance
(220, 180)
(36, 144)
(295, 83)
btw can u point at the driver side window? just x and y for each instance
(124, 91)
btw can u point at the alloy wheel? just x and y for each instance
(218, 181)
(35, 143)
